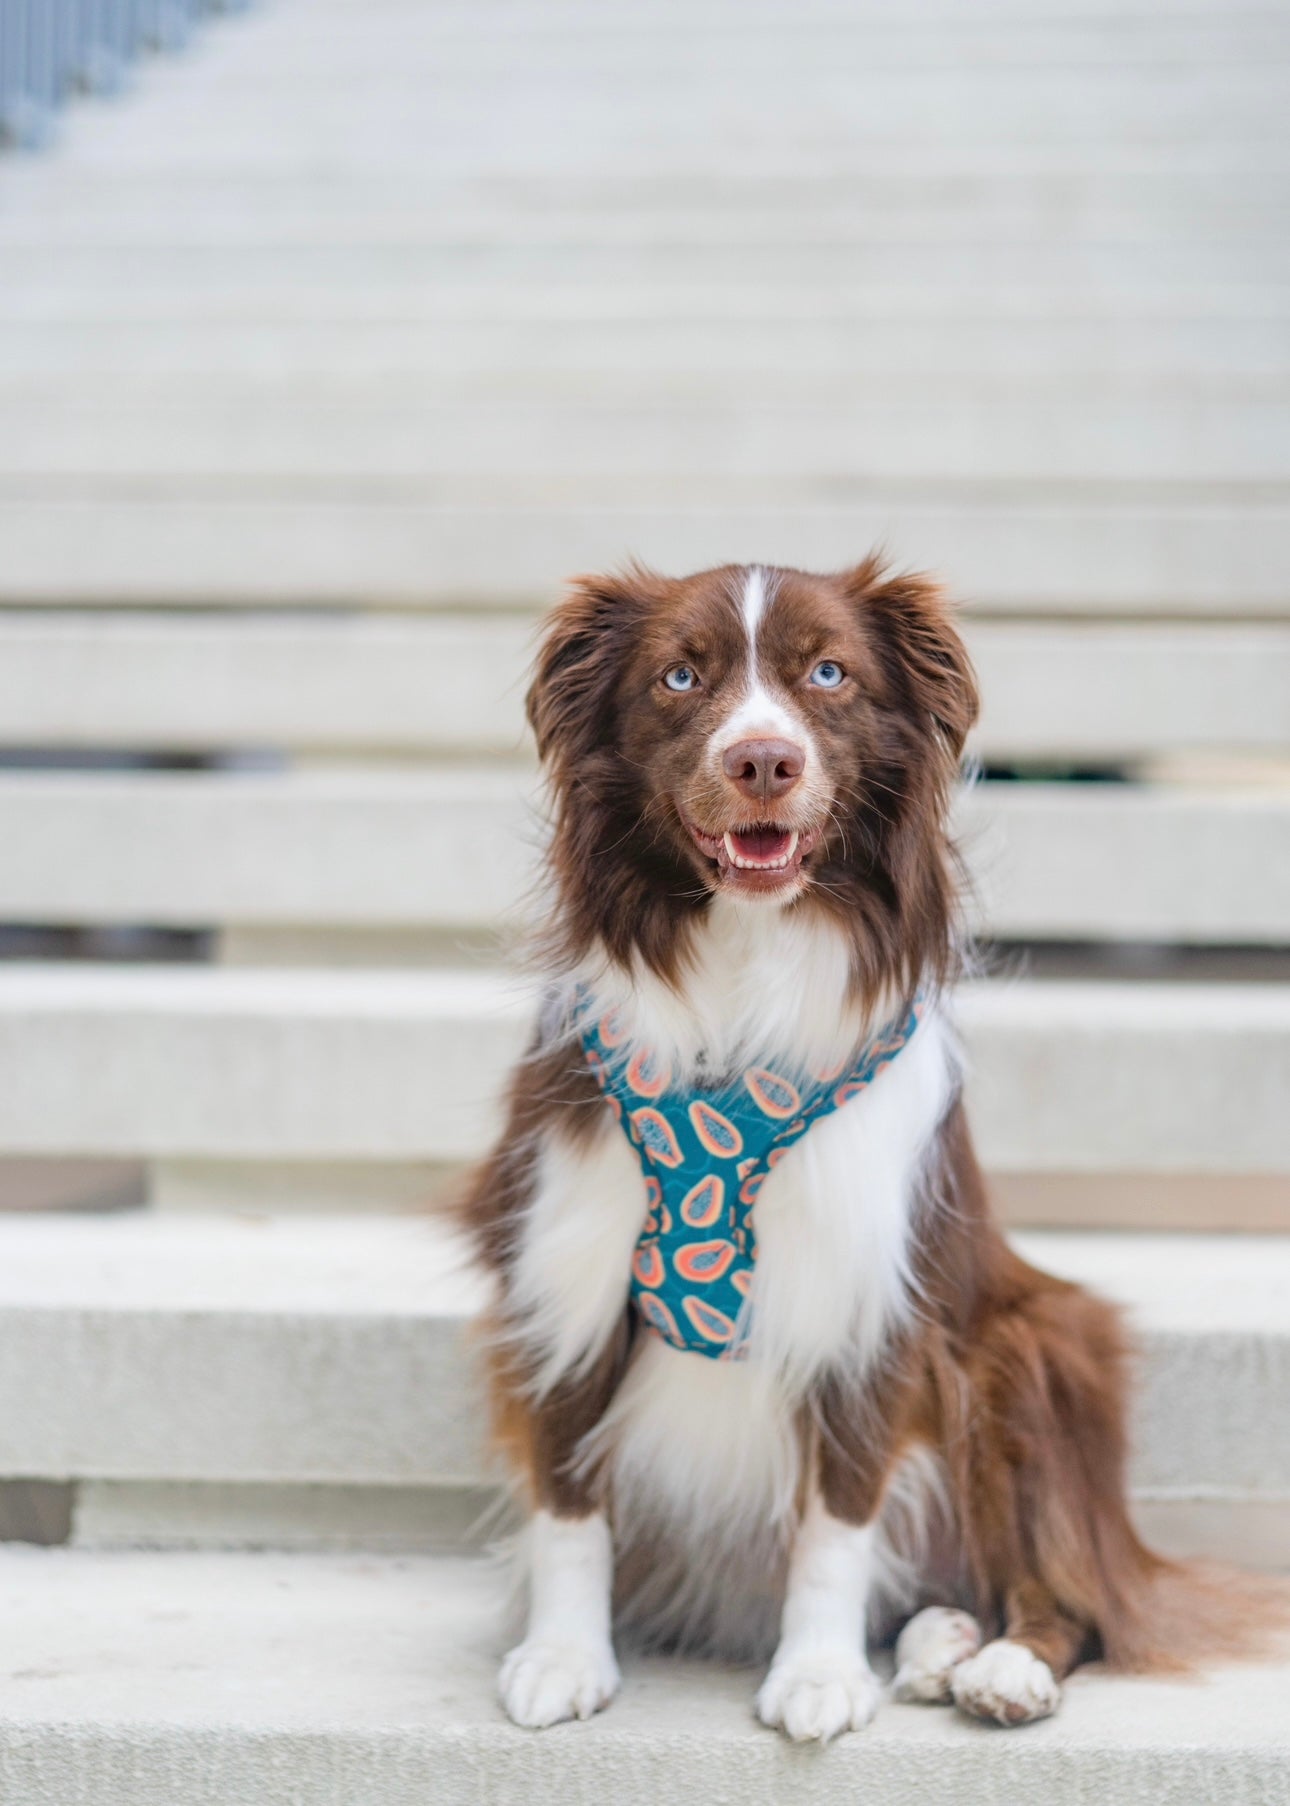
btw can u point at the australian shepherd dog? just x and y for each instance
(774, 1383)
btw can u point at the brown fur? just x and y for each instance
(1016, 1379)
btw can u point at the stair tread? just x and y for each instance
(365, 846)
(143, 1261)
(341, 1266)
(323, 1679)
(41, 985)
(1097, 690)
(309, 1064)
(1043, 549)
(178, 1348)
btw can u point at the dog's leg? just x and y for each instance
(1017, 1678)
(820, 1681)
(1043, 1504)
(565, 1666)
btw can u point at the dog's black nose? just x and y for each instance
(764, 769)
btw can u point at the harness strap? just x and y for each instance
(705, 1153)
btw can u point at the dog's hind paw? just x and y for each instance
(929, 1649)
(1005, 1682)
(543, 1683)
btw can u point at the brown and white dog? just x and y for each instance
(750, 771)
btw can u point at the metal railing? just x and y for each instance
(53, 49)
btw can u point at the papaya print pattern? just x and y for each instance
(656, 1315)
(716, 1132)
(705, 1153)
(646, 1077)
(773, 1093)
(713, 1325)
(700, 1263)
(647, 1266)
(703, 1204)
(612, 1031)
(750, 1187)
(652, 1131)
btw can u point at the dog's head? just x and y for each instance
(759, 733)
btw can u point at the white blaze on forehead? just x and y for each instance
(754, 606)
(759, 713)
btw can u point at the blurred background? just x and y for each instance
(333, 335)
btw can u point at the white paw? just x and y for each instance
(1006, 1682)
(929, 1649)
(818, 1695)
(542, 1683)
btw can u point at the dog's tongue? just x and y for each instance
(762, 843)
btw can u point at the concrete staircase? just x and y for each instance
(323, 358)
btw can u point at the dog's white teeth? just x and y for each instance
(760, 865)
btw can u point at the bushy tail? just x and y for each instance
(1187, 1616)
(1042, 1466)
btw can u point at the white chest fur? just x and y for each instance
(701, 1441)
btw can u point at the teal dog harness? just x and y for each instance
(705, 1154)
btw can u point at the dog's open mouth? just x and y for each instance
(759, 856)
(765, 848)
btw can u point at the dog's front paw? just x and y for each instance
(543, 1682)
(1006, 1682)
(929, 1649)
(818, 1695)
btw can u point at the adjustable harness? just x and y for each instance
(705, 1153)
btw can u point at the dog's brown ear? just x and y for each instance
(571, 698)
(924, 653)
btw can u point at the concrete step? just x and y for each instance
(337, 17)
(1100, 691)
(148, 1357)
(979, 440)
(559, 41)
(456, 20)
(1189, 280)
(404, 1066)
(448, 847)
(119, 153)
(1015, 549)
(847, 103)
(342, 681)
(428, 212)
(174, 272)
(436, 217)
(219, 1679)
(1150, 175)
(646, 67)
(490, 352)
(197, 1340)
(1115, 172)
(564, 395)
(456, 17)
(1129, 862)
(454, 847)
(1226, 56)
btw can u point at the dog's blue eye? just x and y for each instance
(827, 675)
(681, 677)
